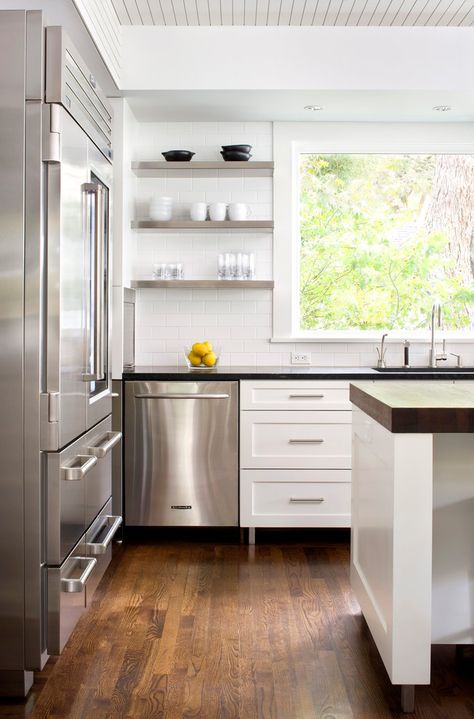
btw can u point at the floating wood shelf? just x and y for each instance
(203, 284)
(156, 168)
(243, 225)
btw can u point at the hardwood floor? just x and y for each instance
(198, 629)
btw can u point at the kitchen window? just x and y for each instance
(377, 230)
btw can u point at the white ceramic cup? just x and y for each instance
(198, 211)
(238, 211)
(217, 211)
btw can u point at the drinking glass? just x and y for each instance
(221, 267)
(245, 266)
(159, 271)
(238, 266)
(251, 273)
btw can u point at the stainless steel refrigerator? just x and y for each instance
(56, 524)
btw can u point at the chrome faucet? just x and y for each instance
(381, 352)
(436, 316)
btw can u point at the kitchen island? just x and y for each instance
(412, 520)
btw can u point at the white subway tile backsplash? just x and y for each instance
(243, 307)
(231, 320)
(245, 333)
(192, 334)
(206, 320)
(257, 321)
(221, 333)
(165, 359)
(218, 306)
(267, 360)
(192, 307)
(254, 345)
(243, 358)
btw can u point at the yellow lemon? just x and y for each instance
(210, 359)
(208, 345)
(194, 359)
(199, 348)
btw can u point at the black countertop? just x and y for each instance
(245, 373)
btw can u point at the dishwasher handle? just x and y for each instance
(181, 395)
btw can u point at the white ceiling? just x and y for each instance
(288, 106)
(442, 13)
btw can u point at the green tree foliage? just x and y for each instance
(367, 261)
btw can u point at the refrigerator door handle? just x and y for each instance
(99, 280)
(96, 209)
(90, 190)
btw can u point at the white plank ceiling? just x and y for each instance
(408, 13)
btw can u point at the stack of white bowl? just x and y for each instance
(161, 208)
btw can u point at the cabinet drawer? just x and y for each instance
(295, 395)
(306, 440)
(295, 498)
(98, 544)
(99, 481)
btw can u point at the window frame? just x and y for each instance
(290, 139)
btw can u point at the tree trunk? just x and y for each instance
(451, 211)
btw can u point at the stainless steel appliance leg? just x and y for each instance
(251, 535)
(408, 698)
(15, 683)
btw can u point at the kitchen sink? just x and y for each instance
(426, 370)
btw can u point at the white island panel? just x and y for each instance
(391, 544)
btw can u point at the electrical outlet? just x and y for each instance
(301, 358)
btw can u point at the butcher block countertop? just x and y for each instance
(417, 407)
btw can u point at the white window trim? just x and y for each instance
(292, 138)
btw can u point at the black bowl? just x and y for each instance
(178, 155)
(235, 156)
(237, 148)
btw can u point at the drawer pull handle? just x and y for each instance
(305, 441)
(105, 444)
(72, 586)
(96, 548)
(73, 474)
(306, 500)
(306, 396)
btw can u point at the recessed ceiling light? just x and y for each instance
(315, 108)
(442, 108)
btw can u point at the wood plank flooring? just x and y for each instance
(205, 630)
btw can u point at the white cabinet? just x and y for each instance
(305, 440)
(295, 394)
(295, 453)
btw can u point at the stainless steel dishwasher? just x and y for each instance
(181, 453)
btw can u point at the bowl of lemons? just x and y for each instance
(202, 356)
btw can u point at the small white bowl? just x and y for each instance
(161, 215)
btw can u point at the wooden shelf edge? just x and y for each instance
(160, 165)
(203, 284)
(202, 225)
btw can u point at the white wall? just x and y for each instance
(335, 58)
(240, 321)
